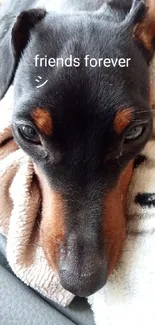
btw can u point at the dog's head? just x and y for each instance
(82, 128)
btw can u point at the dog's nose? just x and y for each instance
(82, 285)
(82, 275)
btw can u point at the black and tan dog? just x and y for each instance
(84, 127)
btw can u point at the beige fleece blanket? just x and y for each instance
(20, 206)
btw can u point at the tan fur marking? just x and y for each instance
(122, 119)
(143, 33)
(145, 30)
(52, 232)
(43, 120)
(114, 225)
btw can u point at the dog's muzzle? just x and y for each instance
(82, 271)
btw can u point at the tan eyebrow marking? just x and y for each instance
(43, 120)
(122, 118)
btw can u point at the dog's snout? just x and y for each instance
(81, 272)
(82, 285)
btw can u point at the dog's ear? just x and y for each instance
(13, 40)
(144, 31)
(141, 21)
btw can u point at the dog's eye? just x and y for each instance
(134, 132)
(29, 133)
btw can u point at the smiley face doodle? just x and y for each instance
(40, 82)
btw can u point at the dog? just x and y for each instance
(82, 125)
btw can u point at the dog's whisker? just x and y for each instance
(137, 120)
(144, 111)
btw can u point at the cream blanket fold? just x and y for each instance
(20, 206)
